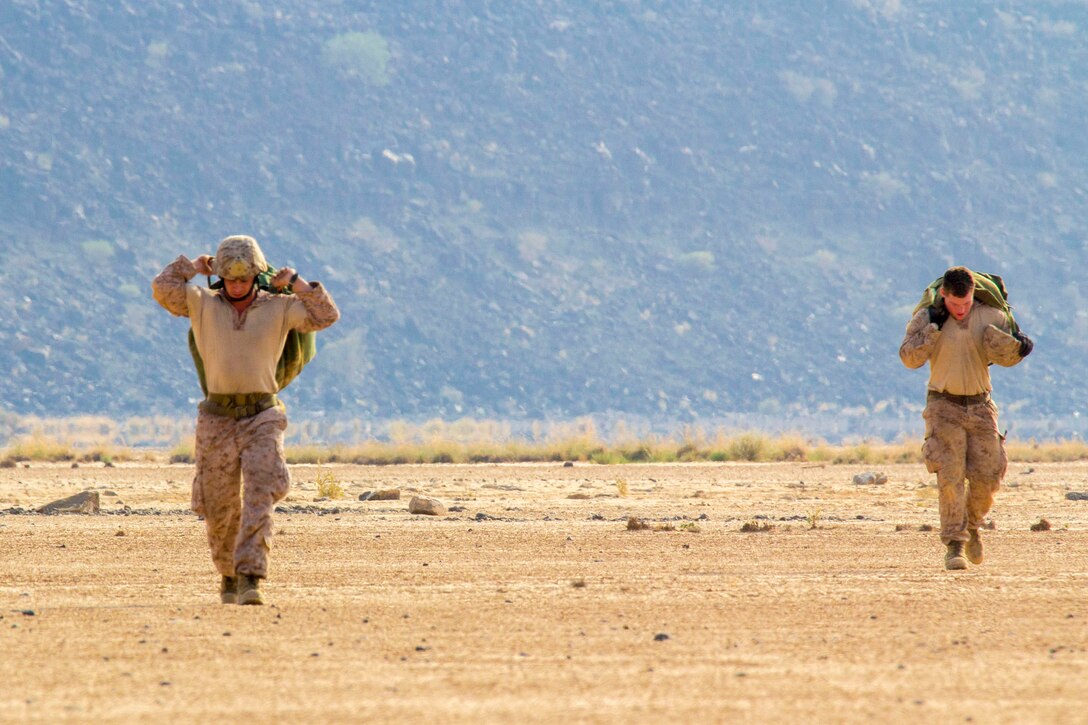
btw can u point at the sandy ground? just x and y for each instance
(533, 602)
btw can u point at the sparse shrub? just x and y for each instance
(690, 526)
(621, 487)
(106, 454)
(756, 527)
(789, 450)
(637, 454)
(636, 524)
(747, 447)
(182, 453)
(40, 448)
(1041, 525)
(667, 526)
(360, 55)
(861, 453)
(328, 485)
(813, 519)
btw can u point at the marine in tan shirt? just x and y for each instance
(240, 332)
(960, 339)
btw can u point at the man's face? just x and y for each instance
(238, 288)
(958, 307)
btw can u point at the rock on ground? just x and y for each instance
(85, 502)
(385, 494)
(426, 506)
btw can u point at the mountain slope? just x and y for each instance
(526, 211)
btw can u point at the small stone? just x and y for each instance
(1077, 496)
(660, 637)
(568, 464)
(870, 478)
(386, 494)
(426, 506)
(85, 502)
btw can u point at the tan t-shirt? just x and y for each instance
(240, 352)
(959, 363)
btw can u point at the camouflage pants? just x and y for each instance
(239, 517)
(962, 442)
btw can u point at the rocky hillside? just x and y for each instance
(675, 211)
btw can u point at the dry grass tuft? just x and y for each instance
(636, 524)
(183, 452)
(757, 527)
(1041, 525)
(470, 440)
(328, 485)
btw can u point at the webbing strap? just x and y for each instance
(241, 405)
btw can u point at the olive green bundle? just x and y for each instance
(989, 290)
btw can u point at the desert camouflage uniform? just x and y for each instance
(230, 451)
(961, 435)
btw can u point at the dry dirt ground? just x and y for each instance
(533, 602)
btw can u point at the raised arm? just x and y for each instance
(919, 340)
(316, 310)
(168, 287)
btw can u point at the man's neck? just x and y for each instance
(243, 305)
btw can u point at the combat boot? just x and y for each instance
(974, 547)
(953, 557)
(228, 590)
(249, 589)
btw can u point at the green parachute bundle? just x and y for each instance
(989, 290)
(298, 349)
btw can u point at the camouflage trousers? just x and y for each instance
(241, 473)
(962, 442)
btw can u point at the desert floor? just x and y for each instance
(532, 601)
